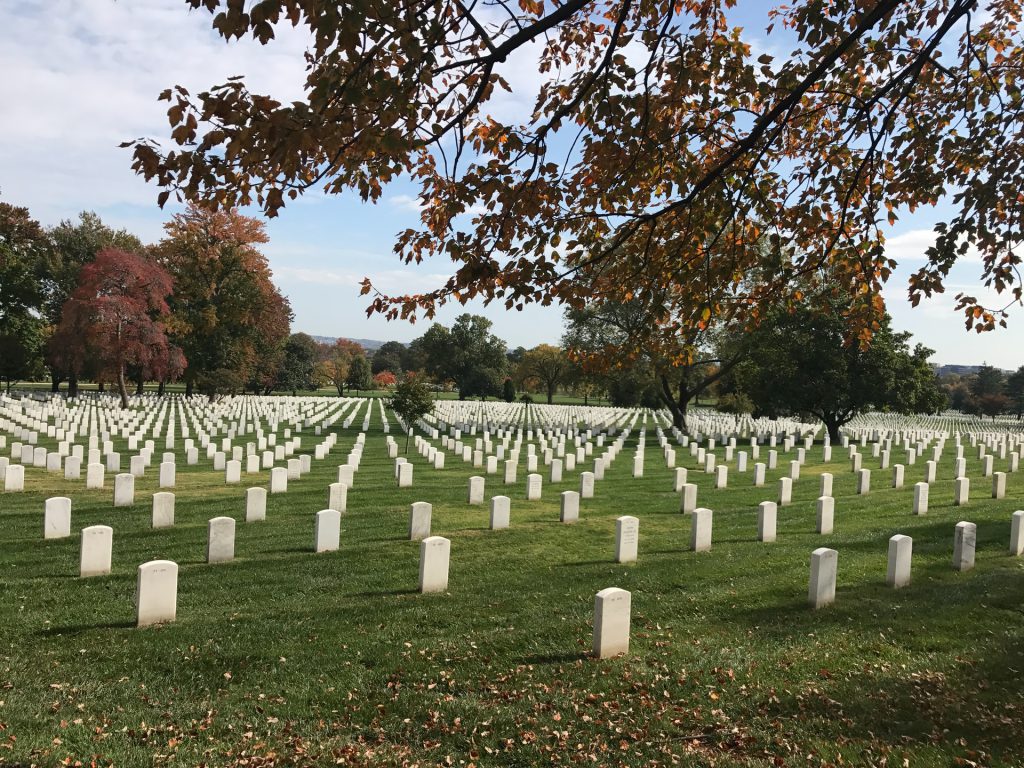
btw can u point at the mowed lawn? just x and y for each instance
(285, 657)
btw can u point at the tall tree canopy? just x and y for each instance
(803, 364)
(116, 316)
(22, 248)
(467, 354)
(229, 317)
(544, 366)
(653, 118)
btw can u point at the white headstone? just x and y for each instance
(94, 474)
(278, 480)
(163, 509)
(688, 498)
(220, 540)
(95, 554)
(586, 485)
(435, 553)
(611, 622)
(419, 520)
(500, 510)
(900, 552)
(534, 484)
(156, 592)
(337, 497)
(822, 588)
(327, 530)
(826, 514)
(627, 537)
(57, 518)
(124, 490)
(570, 507)
(961, 491)
(255, 504)
(405, 475)
(476, 490)
(965, 540)
(1017, 533)
(920, 498)
(767, 516)
(700, 530)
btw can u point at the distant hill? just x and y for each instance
(960, 370)
(368, 344)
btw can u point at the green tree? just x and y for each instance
(805, 365)
(22, 252)
(508, 390)
(1015, 391)
(388, 358)
(412, 401)
(468, 354)
(299, 363)
(545, 366)
(987, 381)
(359, 374)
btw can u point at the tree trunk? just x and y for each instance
(676, 405)
(101, 386)
(140, 386)
(551, 394)
(122, 388)
(189, 387)
(72, 386)
(161, 388)
(55, 380)
(832, 424)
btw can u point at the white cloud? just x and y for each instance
(405, 203)
(81, 76)
(911, 246)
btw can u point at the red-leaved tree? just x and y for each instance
(115, 319)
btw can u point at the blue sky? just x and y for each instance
(81, 76)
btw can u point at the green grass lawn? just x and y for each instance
(283, 657)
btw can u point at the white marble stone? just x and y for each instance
(826, 514)
(156, 592)
(822, 587)
(961, 491)
(534, 485)
(419, 520)
(405, 475)
(688, 498)
(900, 552)
(57, 518)
(965, 539)
(920, 498)
(124, 490)
(700, 529)
(95, 553)
(569, 507)
(327, 531)
(611, 622)
(163, 509)
(278, 480)
(1017, 533)
(785, 491)
(475, 491)
(255, 504)
(500, 512)
(627, 538)
(435, 555)
(998, 485)
(767, 517)
(220, 540)
(337, 497)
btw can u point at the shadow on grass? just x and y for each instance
(555, 658)
(386, 593)
(77, 629)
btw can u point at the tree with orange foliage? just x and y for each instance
(336, 360)
(384, 380)
(228, 315)
(662, 145)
